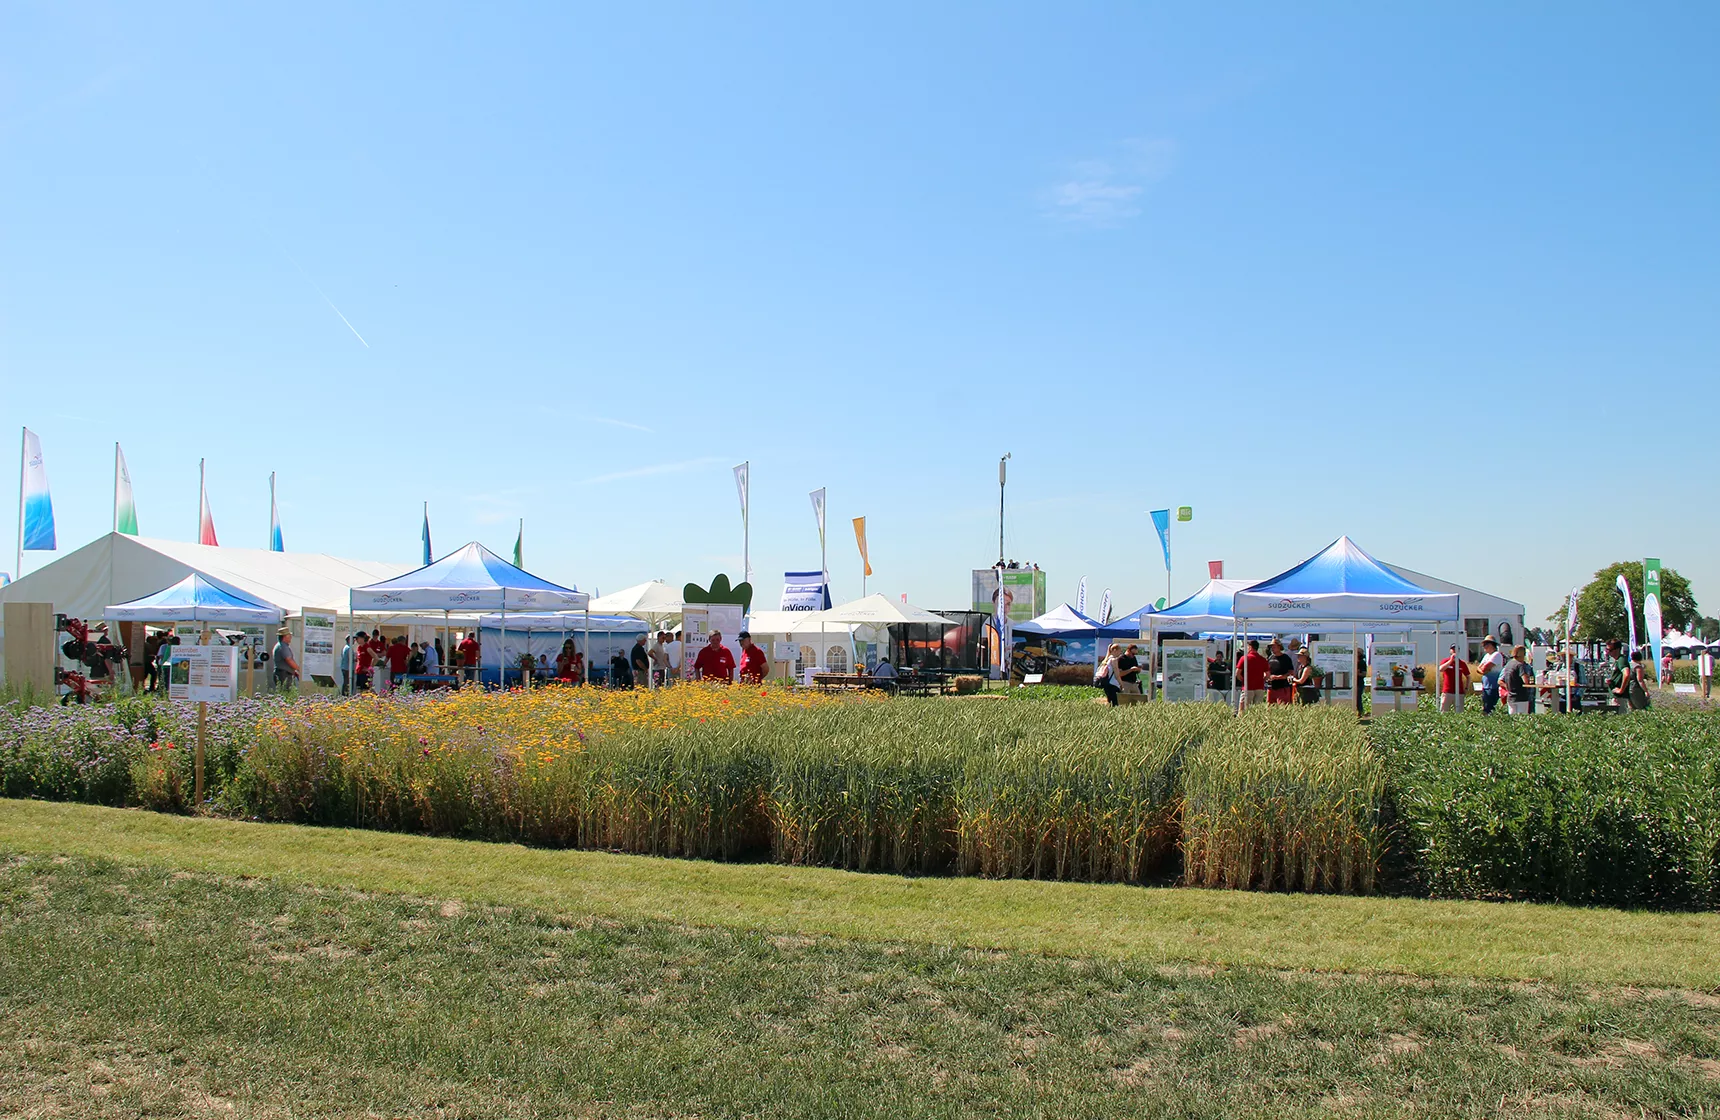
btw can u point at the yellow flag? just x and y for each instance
(860, 539)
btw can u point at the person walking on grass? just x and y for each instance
(1453, 682)
(1105, 675)
(1705, 672)
(1129, 671)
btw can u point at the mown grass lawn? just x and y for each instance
(162, 966)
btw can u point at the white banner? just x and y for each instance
(818, 508)
(1185, 671)
(316, 659)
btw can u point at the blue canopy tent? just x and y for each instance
(195, 599)
(470, 580)
(1065, 636)
(1066, 621)
(1343, 584)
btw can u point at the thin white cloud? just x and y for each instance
(1102, 193)
(652, 471)
(619, 423)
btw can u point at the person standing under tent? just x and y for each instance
(1518, 680)
(366, 663)
(151, 650)
(432, 659)
(1453, 679)
(1251, 674)
(346, 667)
(1492, 668)
(1705, 671)
(715, 662)
(675, 649)
(286, 668)
(753, 665)
(468, 648)
(1280, 674)
(660, 660)
(639, 660)
(564, 661)
(1306, 679)
(1129, 670)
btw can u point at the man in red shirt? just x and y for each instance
(468, 648)
(366, 660)
(753, 665)
(399, 653)
(1251, 675)
(1453, 682)
(715, 662)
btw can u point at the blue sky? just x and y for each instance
(1311, 269)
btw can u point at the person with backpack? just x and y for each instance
(1105, 674)
(1307, 679)
(1516, 681)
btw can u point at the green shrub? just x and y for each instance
(1619, 810)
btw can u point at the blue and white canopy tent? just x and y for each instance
(1342, 584)
(195, 599)
(1065, 621)
(470, 581)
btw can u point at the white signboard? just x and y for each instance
(202, 673)
(316, 659)
(1392, 668)
(1337, 664)
(1185, 671)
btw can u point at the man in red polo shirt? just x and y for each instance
(753, 665)
(399, 653)
(1453, 682)
(1251, 675)
(715, 662)
(468, 648)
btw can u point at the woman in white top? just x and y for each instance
(1106, 674)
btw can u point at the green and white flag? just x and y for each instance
(519, 546)
(124, 507)
(1651, 609)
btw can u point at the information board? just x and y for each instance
(1185, 671)
(316, 659)
(202, 673)
(1392, 668)
(1337, 664)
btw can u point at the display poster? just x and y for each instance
(785, 650)
(1337, 664)
(316, 659)
(1023, 592)
(1185, 671)
(202, 673)
(1393, 667)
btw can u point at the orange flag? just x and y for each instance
(860, 539)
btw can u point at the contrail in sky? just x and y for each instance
(326, 300)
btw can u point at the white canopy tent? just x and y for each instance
(651, 601)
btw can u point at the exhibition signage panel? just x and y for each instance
(1393, 667)
(317, 657)
(1337, 664)
(202, 673)
(803, 591)
(1023, 592)
(699, 623)
(1651, 609)
(1185, 671)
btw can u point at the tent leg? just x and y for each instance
(585, 662)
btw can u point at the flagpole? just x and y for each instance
(18, 572)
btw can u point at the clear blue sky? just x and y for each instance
(1311, 269)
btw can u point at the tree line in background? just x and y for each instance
(1600, 606)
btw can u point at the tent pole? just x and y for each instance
(502, 640)
(585, 662)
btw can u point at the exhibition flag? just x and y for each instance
(205, 521)
(1081, 597)
(426, 534)
(818, 509)
(1651, 609)
(1105, 608)
(124, 508)
(1162, 522)
(743, 485)
(1215, 569)
(1629, 611)
(275, 544)
(860, 539)
(520, 546)
(35, 504)
(1571, 615)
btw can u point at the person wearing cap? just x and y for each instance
(715, 662)
(1492, 667)
(286, 668)
(753, 664)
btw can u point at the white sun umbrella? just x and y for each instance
(650, 601)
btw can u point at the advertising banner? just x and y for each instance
(1651, 609)
(316, 659)
(1392, 667)
(1023, 592)
(1337, 664)
(202, 673)
(1185, 671)
(804, 591)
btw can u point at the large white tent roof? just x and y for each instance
(116, 568)
(648, 600)
(881, 610)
